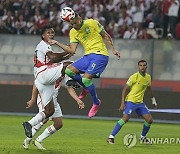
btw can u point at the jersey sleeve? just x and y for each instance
(130, 81)
(72, 36)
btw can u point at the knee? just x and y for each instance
(125, 118)
(58, 126)
(149, 120)
(87, 82)
(69, 72)
(49, 112)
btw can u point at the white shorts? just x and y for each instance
(46, 92)
(45, 78)
(57, 108)
(49, 74)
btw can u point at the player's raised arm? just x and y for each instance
(58, 57)
(68, 48)
(109, 41)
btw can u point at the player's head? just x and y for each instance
(142, 66)
(76, 21)
(47, 32)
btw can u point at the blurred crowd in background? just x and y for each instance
(128, 19)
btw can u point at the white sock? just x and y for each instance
(111, 136)
(36, 128)
(28, 139)
(37, 119)
(143, 137)
(47, 132)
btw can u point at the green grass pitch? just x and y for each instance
(85, 137)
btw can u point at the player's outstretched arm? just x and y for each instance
(32, 101)
(68, 48)
(109, 41)
(75, 96)
(58, 57)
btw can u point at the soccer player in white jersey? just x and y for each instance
(48, 68)
(56, 117)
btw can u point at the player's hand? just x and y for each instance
(30, 103)
(154, 103)
(122, 107)
(81, 105)
(52, 42)
(117, 54)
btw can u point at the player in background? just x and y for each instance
(90, 33)
(48, 68)
(56, 117)
(132, 100)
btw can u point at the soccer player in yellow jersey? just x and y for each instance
(132, 100)
(90, 33)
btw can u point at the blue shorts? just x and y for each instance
(93, 64)
(140, 109)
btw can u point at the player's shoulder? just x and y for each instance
(148, 76)
(90, 21)
(132, 78)
(72, 31)
(42, 45)
(134, 75)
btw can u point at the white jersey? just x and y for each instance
(40, 58)
(45, 71)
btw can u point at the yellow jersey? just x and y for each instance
(89, 36)
(138, 85)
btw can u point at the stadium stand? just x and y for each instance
(25, 17)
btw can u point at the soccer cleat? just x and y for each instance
(94, 110)
(110, 140)
(39, 145)
(26, 144)
(145, 140)
(72, 83)
(28, 129)
(83, 93)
